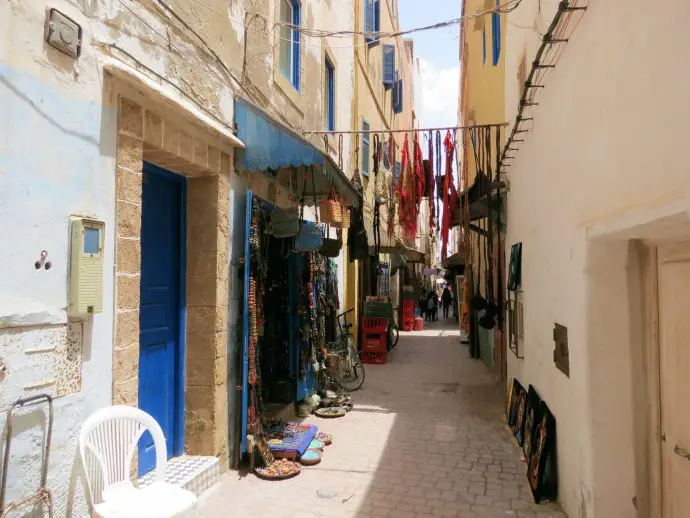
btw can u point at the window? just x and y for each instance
(484, 45)
(329, 97)
(365, 148)
(496, 35)
(290, 41)
(388, 66)
(398, 95)
(372, 20)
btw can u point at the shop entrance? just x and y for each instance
(290, 298)
(674, 363)
(161, 309)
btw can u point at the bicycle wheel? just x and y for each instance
(352, 376)
(393, 335)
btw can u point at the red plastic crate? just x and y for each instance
(374, 325)
(373, 357)
(408, 324)
(375, 341)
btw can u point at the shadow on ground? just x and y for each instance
(426, 438)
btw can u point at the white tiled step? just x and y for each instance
(193, 473)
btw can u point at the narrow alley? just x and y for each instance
(426, 438)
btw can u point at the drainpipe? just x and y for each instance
(352, 279)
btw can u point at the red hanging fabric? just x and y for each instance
(432, 185)
(404, 164)
(447, 184)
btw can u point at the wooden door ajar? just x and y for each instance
(674, 332)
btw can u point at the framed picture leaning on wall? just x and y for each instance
(515, 271)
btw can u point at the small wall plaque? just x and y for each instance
(63, 33)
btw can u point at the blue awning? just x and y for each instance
(270, 145)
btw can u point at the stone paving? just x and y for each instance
(426, 438)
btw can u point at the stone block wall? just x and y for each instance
(207, 309)
(130, 153)
(146, 135)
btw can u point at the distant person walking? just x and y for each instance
(432, 306)
(446, 299)
(422, 302)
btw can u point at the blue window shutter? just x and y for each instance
(368, 20)
(496, 35)
(365, 148)
(330, 77)
(377, 21)
(398, 96)
(296, 36)
(388, 65)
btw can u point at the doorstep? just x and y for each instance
(191, 472)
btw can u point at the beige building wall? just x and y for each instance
(373, 103)
(601, 166)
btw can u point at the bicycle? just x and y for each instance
(393, 335)
(350, 372)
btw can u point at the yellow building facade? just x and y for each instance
(482, 101)
(379, 107)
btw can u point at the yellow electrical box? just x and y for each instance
(86, 267)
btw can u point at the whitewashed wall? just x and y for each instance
(603, 157)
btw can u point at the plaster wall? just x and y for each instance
(57, 159)
(599, 166)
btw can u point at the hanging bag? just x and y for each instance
(310, 237)
(285, 223)
(330, 211)
(346, 217)
(330, 247)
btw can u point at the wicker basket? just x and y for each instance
(330, 212)
(345, 218)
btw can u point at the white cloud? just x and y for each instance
(437, 94)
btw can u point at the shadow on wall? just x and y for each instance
(25, 464)
(27, 457)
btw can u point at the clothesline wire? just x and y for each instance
(409, 130)
(504, 8)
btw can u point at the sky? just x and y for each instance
(438, 53)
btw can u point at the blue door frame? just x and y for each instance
(162, 315)
(245, 329)
(296, 265)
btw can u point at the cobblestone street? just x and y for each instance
(426, 438)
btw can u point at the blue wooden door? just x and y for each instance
(161, 374)
(245, 335)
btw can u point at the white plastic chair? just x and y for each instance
(107, 444)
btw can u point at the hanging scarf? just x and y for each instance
(404, 164)
(405, 190)
(432, 185)
(419, 173)
(391, 201)
(439, 195)
(447, 184)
